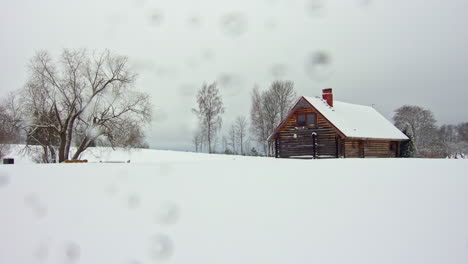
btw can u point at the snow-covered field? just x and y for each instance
(176, 207)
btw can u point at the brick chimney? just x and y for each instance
(327, 95)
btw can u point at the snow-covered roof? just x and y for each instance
(354, 121)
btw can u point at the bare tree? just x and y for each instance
(420, 123)
(241, 131)
(258, 122)
(5, 135)
(268, 109)
(10, 126)
(282, 92)
(197, 140)
(82, 99)
(233, 139)
(210, 109)
(462, 140)
(225, 145)
(462, 131)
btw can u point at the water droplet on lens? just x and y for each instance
(318, 65)
(41, 253)
(134, 261)
(208, 54)
(187, 90)
(34, 203)
(230, 83)
(315, 7)
(4, 179)
(192, 63)
(111, 189)
(364, 3)
(156, 17)
(271, 24)
(167, 213)
(194, 21)
(133, 201)
(161, 247)
(72, 251)
(234, 23)
(278, 70)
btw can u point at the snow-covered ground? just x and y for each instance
(176, 207)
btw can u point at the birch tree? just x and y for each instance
(209, 111)
(240, 127)
(267, 110)
(258, 123)
(283, 95)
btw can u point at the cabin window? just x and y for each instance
(306, 120)
(310, 119)
(301, 120)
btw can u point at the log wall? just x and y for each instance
(355, 148)
(295, 141)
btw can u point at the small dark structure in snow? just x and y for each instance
(322, 128)
(8, 161)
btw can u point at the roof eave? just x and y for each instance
(371, 138)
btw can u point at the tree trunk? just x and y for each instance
(62, 157)
(83, 146)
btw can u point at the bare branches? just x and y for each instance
(268, 108)
(84, 96)
(420, 124)
(210, 108)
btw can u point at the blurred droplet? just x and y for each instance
(225, 79)
(278, 70)
(4, 179)
(31, 199)
(194, 21)
(271, 24)
(72, 252)
(133, 201)
(234, 23)
(114, 21)
(191, 63)
(160, 115)
(364, 3)
(40, 211)
(139, 3)
(208, 54)
(230, 83)
(161, 247)
(167, 213)
(318, 65)
(111, 189)
(41, 253)
(164, 71)
(187, 90)
(134, 261)
(142, 65)
(34, 203)
(272, 2)
(156, 17)
(315, 7)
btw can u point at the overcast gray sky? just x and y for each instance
(386, 53)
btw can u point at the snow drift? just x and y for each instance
(194, 208)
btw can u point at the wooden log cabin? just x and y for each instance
(322, 128)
